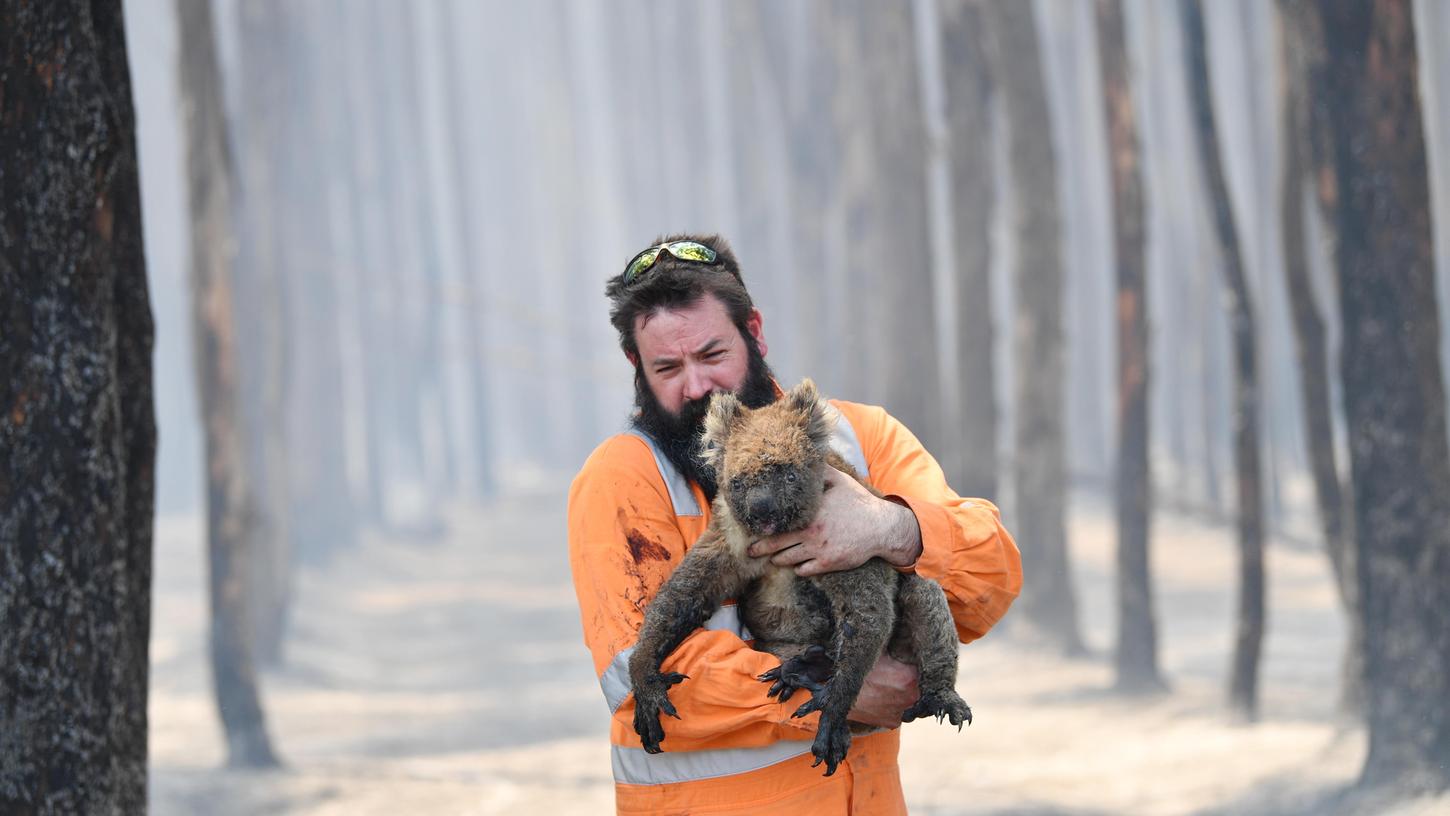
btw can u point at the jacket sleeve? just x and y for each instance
(623, 544)
(964, 546)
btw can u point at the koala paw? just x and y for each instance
(808, 670)
(650, 699)
(942, 705)
(833, 739)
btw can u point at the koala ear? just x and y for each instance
(819, 419)
(724, 409)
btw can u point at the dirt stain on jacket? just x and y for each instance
(643, 549)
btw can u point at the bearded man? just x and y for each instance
(689, 329)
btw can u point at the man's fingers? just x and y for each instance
(790, 556)
(772, 544)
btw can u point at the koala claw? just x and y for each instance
(649, 702)
(809, 670)
(942, 705)
(833, 740)
(813, 704)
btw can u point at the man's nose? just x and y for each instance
(697, 384)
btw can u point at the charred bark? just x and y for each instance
(1136, 655)
(1302, 51)
(968, 84)
(77, 419)
(1049, 603)
(231, 508)
(1394, 392)
(1249, 629)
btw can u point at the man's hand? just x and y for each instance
(889, 689)
(852, 526)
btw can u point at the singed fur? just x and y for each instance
(828, 630)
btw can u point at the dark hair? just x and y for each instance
(675, 284)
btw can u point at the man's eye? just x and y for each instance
(715, 355)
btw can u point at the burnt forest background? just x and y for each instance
(1186, 259)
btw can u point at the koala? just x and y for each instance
(828, 630)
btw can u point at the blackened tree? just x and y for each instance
(1394, 392)
(967, 81)
(231, 512)
(1136, 655)
(77, 418)
(1049, 603)
(1249, 630)
(1304, 159)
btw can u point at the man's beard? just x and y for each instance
(678, 435)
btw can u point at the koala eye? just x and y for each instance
(737, 484)
(790, 477)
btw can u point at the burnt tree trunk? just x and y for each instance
(968, 85)
(1394, 392)
(1303, 55)
(1136, 656)
(77, 418)
(1040, 469)
(1249, 629)
(884, 184)
(231, 509)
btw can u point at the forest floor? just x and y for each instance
(448, 675)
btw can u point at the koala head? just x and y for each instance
(770, 462)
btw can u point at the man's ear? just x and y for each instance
(815, 413)
(755, 324)
(632, 358)
(725, 408)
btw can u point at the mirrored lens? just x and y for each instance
(691, 251)
(641, 262)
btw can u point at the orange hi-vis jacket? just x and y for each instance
(734, 750)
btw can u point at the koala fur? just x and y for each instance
(828, 629)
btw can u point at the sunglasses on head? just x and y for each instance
(681, 250)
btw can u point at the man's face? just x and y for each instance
(689, 353)
(685, 356)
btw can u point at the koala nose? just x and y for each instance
(761, 506)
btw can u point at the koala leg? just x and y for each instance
(926, 623)
(704, 579)
(862, 603)
(802, 666)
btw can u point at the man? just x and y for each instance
(688, 326)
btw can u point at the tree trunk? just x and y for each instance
(1049, 604)
(77, 418)
(231, 502)
(1136, 657)
(1299, 28)
(884, 185)
(968, 104)
(1249, 631)
(1393, 387)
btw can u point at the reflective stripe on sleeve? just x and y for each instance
(844, 442)
(635, 766)
(615, 680)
